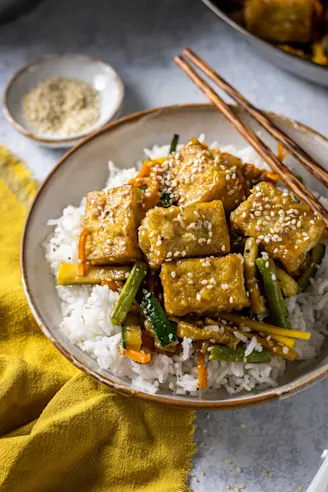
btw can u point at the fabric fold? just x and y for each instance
(61, 430)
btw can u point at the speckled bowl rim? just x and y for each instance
(284, 391)
(58, 140)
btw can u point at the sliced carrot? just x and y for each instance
(282, 152)
(151, 193)
(114, 285)
(140, 357)
(202, 371)
(81, 252)
(317, 7)
(146, 169)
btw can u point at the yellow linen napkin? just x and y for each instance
(60, 430)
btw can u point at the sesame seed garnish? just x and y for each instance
(238, 469)
(228, 461)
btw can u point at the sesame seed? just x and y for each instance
(285, 350)
(242, 426)
(173, 274)
(228, 461)
(269, 475)
(228, 486)
(238, 469)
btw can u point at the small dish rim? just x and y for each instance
(270, 395)
(58, 140)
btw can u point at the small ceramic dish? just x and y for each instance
(100, 75)
(87, 166)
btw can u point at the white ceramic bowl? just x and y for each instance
(102, 76)
(86, 166)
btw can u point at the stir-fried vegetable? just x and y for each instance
(128, 293)
(146, 168)
(81, 252)
(131, 333)
(215, 332)
(252, 285)
(282, 152)
(264, 327)
(238, 355)
(114, 285)
(202, 371)
(273, 292)
(68, 274)
(285, 350)
(174, 143)
(140, 357)
(288, 285)
(152, 310)
(316, 257)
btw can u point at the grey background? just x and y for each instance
(140, 38)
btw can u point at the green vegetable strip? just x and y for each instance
(128, 293)
(166, 200)
(174, 143)
(238, 355)
(153, 311)
(273, 292)
(316, 257)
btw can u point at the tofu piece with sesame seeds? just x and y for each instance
(203, 175)
(204, 286)
(112, 219)
(171, 233)
(286, 229)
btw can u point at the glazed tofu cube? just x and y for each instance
(112, 218)
(203, 175)
(283, 21)
(196, 230)
(287, 230)
(204, 286)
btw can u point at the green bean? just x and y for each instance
(174, 143)
(316, 257)
(273, 292)
(128, 293)
(218, 352)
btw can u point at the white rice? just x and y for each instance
(86, 314)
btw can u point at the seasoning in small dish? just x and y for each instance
(61, 105)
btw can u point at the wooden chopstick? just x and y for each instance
(309, 163)
(265, 152)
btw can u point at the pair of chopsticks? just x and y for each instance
(265, 152)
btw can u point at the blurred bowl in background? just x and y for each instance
(301, 67)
